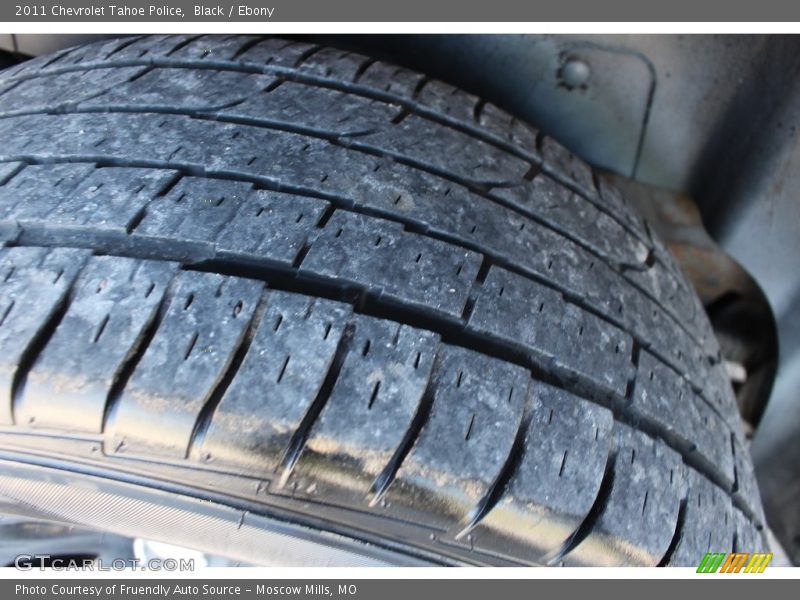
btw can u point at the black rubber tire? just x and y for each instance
(339, 290)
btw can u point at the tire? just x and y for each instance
(333, 291)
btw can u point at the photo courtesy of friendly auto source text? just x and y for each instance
(307, 296)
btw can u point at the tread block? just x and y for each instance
(748, 537)
(315, 108)
(279, 379)
(448, 100)
(391, 79)
(458, 155)
(92, 53)
(195, 210)
(611, 197)
(502, 125)
(746, 486)
(69, 383)
(270, 225)
(87, 135)
(595, 347)
(564, 162)
(110, 198)
(405, 267)
(201, 90)
(688, 356)
(34, 284)
(568, 211)
(38, 190)
(215, 47)
(708, 524)
(462, 447)
(557, 156)
(277, 52)
(65, 89)
(147, 47)
(332, 62)
(370, 409)
(663, 396)
(193, 347)
(637, 520)
(710, 433)
(78, 201)
(451, 209)
(556, 480)
(232, 220)
(662, 283)
(27, 68)
(518, 310)
(524, 312)
(719, 392)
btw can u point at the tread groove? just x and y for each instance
(385, 478)
(38, 343)
(206, 414)
(506, 473)
(246, 46)
(299, 437)
(125, 43)
(676, 537)
(183, 43)
(590, 520)
(135, 354)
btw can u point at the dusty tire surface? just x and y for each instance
(334, 288)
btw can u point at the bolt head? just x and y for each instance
(575, 73)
